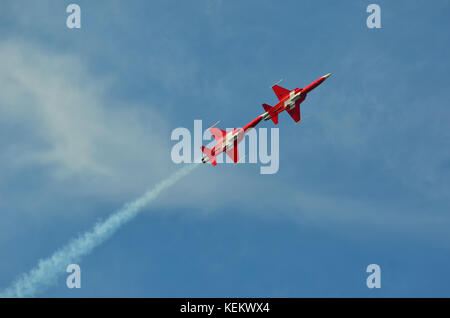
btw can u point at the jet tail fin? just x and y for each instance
(210, 155)
(272, 114)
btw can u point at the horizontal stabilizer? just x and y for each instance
(272, 114)
(211, 157)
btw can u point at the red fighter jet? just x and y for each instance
(290, 100)
(227, 141)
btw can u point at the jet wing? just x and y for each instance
(295, 112)
(217, 133)
(281, 92)
(233, 153)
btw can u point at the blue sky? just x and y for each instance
(85, 123)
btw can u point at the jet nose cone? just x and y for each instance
(326, 76)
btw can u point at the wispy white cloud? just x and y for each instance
(59, 106)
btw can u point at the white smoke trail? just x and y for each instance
(48, 270)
